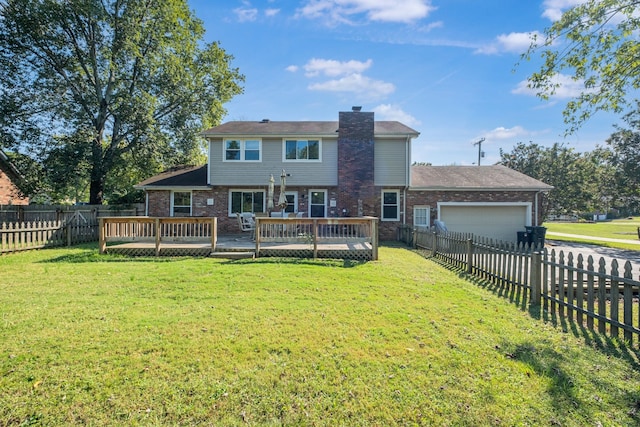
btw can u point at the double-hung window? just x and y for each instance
(390, 205)
(242, 201)
(181, 203)
(302, 150)
(242, 150)
(421, 216)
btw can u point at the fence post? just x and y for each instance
(469, 256)
(434, 244)
(69, 231)
(536, 277)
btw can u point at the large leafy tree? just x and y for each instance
(596, 43)
(625, 162)
(101, 82)
(569, 172)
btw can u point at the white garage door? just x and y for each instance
(500, 222)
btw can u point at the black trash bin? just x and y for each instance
(523, 238)
(538, 236)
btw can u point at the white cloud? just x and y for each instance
(501, 133)
(292, 68)
(346, 11)
(567, 87)
(333, 68)
(512, 43)
(432, 25)
(358, 84)
(245, 14)
(271, 12)
(393, 112)
(553, 9)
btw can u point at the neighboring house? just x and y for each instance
(9, 178)
(355, 166)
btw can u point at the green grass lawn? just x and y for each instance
(90, 339)
(617, 229)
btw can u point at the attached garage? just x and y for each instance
(499, 221)
(492, 201)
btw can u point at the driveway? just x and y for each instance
(622, 255)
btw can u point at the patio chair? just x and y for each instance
(246, 223)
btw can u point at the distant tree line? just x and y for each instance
(606, 179)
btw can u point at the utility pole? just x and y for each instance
(479, 144)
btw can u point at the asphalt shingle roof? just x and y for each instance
(495, 177)
(301, 128)
(181, 176)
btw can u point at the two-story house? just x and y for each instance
(355, 166)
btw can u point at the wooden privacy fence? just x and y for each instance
(586, 291)
(85, 213)
(16, 237)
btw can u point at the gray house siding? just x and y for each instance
(318, 174)
(391, 163)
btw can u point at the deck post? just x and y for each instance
(214, 233)
(315, 239)
(257, 234)
(374, 238)
(103, 242)
(157, 224)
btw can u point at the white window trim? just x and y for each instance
(326, 195)
(246, 190)
(284, 150)
(242, 150)
(172, 204)
(428, 208)
(382, 218)
(295, 199)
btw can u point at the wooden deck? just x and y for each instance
(299, 238)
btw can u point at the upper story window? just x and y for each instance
(302, 149)
(242, 150)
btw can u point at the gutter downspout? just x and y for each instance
(146, 203)
(407, 181)
(536, 208)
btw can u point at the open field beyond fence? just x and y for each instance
(105, 339)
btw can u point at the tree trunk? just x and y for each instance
(98, 175)
(96, 191)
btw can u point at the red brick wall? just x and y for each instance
(159, 205)
(9, 193)
(356, 190)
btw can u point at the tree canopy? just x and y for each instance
(94, 86)
(596, 43)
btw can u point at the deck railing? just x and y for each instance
(314, 231)
(157, 230)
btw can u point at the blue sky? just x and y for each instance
(447, 68)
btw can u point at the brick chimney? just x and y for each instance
(356, 191)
